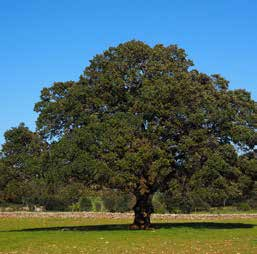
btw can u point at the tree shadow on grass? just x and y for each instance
(117, 227)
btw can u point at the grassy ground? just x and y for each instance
(95, 235)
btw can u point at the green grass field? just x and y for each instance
(78, 235)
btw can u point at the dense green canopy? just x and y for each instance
(141, 119)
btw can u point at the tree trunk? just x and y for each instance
(143, 209)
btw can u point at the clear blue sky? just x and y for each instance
(46, 41)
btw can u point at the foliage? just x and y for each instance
(244, 206)
(159, 203)
(85, 204)
(140, 119)
(115, 201)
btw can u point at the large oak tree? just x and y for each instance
(141, 119)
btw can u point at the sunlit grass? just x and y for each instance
(65, 235)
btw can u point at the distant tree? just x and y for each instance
(248, 181)
(116, 201)
(21, 164)
(3, 180)
(140, 119)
